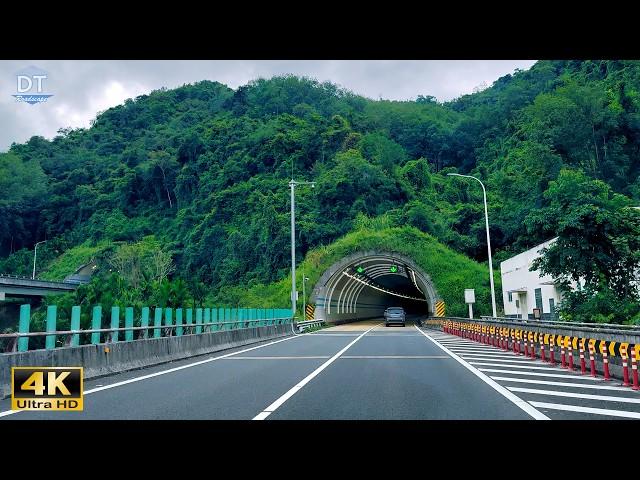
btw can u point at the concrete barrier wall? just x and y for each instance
(123, 356)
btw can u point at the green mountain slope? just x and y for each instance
(204, 169)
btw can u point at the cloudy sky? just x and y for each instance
(82, 88)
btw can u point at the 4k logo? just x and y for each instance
(46, 388)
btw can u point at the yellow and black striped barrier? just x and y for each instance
(439, 308)
(309, 313)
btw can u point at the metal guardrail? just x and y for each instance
(302, 326)
(554, 323)
(22, 277)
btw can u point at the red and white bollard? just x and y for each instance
(583, 365)
(625, 367)
(570, 356)
(605, 361)
(524, 340)
(552, 344)
(542, 348)
(592, 359)
(634, 367)
(533, 348)
(562, 357)
(513, 339)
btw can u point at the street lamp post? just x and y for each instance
(293, 184)
(35, 254)
(486, 219)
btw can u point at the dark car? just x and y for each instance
(394, 315)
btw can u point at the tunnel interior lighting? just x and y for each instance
(371, 284)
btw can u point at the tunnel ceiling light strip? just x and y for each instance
(383, 290)
(413, 277)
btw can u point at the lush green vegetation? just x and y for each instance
(204, 170)
(450, 271)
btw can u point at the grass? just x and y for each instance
(69, 261)
(451, 272)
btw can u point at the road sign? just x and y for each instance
(439, 310)
(469, 295)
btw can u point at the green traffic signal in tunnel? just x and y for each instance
(359, 269)
(393, 268)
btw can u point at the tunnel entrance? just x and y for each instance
(364, 284)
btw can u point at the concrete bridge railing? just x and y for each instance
(102, 351)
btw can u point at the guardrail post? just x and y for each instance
(168, 321)
(179, 322)
(189, 320)
(583, 365)
(563, 362)
(50, 341)
(207, 319)
(532, 344)
(144, 322)
(75, 325)
(198, 321)
(23, 327)
(115, 323)
(157, 322)
(570, 347)
(227, 318)
(552, 344)
(128, 323)
(96, 324)
(541, 337)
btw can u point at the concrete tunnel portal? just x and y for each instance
(364, 284)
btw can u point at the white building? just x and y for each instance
(522, 290)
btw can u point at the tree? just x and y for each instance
(598, 244)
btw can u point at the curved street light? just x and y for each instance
(35, 254)
(486, 219)
(293, 184)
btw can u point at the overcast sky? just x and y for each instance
(81, 88)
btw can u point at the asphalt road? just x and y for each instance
(361, 370)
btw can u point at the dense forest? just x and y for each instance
(195, 178)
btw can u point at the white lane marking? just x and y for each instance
(493, 384)
(483, 352)
(170, 370)
(586, 396)
(410, 357)
(293, 390)
(276, 358)
(560, 384)
(528, 367)
(595, 411)
(486, 358)
(333, 334)
(557, 375)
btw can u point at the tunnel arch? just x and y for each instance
(363, 284)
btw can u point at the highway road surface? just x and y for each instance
(356, 371)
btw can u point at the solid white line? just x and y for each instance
(411, 357)
(170, 370)
(275, 358)
(605, 398)
(595, 411)
(332, 334)
(287, 395)
(560, 384)
(496, 386)
(485, 358)
(557, 375)
(514, 366)
(483, 352)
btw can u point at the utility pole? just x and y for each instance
(35, 254)
(292, 185)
